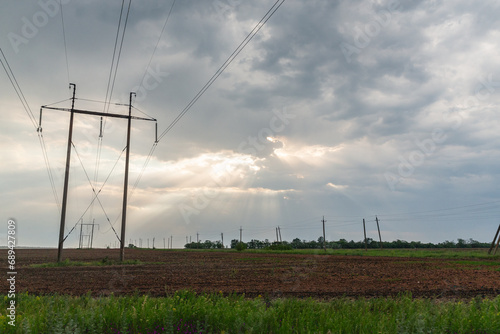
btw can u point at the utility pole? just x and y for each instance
(197, 237)
(378, 228)
(277, 238)
(364, 229)
(74, 111)
(279, 232)
(324, 235)
(493, 243)
(125, 181)
(81, 234)
(66, 175)
(92, 237)
(222, 239)
(240, 232)
(171, 242)
(153, 243)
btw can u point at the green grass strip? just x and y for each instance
(188, 312)
(103, 262)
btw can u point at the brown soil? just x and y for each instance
(274, 275)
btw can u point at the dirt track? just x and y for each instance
(253, 274)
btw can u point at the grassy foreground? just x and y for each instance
(188, 312)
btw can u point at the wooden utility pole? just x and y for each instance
(222, 239)
(277, 238)
(497, 241)
(364, 230)
(240, 232)
(496, 247)
(66, 175)
(80, 243)
(92, 237)
(125, 182)
(324, 235)
(494, 240)
(279, 232)
(378, 228)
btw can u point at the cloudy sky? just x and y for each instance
(342, 109)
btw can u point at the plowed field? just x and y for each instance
(275, 275)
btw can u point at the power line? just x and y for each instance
(17, 88)
(445, 209)
(96, 194)
(157, 43)
(221, 69)
(114, 54)
(111, 84)
(119, 51)
(24, 102)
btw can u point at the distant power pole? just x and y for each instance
(92, 233)
(277, 238)
(240, 232)
(80, 244)
(324, 235)
(222, 239)
(171, 242)
(153, 243)
(378, 228)
(197, 237)
(279, 232)
(364, 229)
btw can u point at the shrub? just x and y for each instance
(279, 247)
(241, 246)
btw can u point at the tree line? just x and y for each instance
(340, 244)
